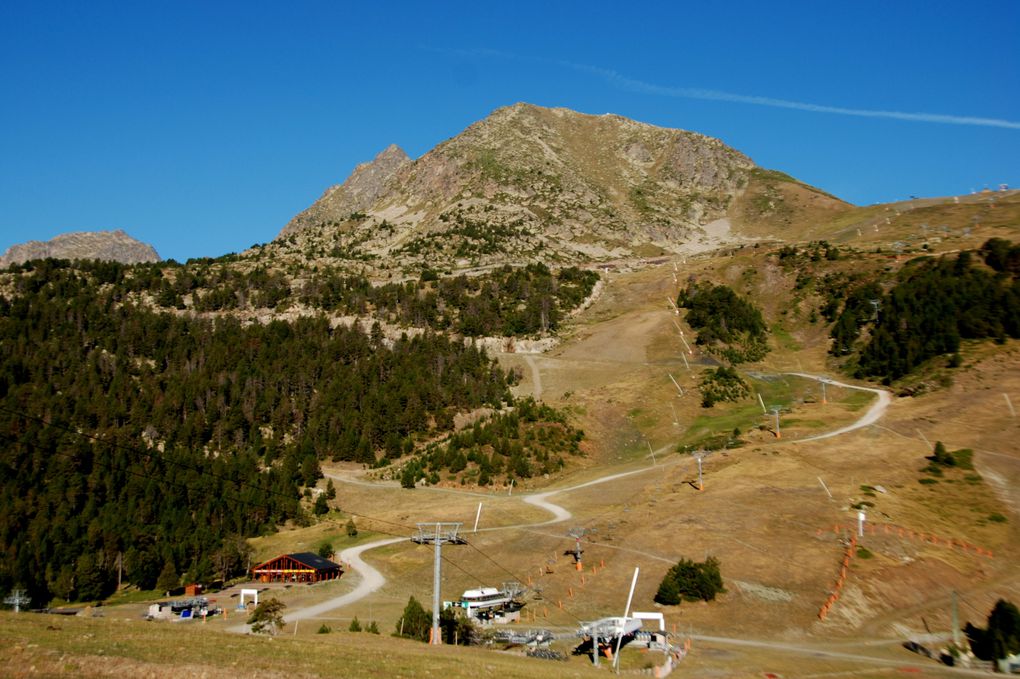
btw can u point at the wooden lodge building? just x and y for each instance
(300, 567)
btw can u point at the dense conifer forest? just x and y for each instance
(528, 441)
(931, 307)
(143, 444)
(726, 323)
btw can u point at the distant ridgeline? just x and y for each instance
(931, 306)
(155, 440)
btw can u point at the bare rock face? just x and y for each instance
(527, 184)
(365, 185)
(114, 246)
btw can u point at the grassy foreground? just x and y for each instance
(49, 646)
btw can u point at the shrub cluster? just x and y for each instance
(692, 581)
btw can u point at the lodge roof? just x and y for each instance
(314, 560)
(309, 559)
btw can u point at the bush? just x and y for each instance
(324, 629)
(326, 550)
(355, 625)
(722, 384)
(690, 580)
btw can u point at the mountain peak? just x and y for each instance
(114, 245)
(529, 183)
(357, 193)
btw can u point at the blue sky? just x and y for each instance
(203, 127)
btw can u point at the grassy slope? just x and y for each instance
(40, 645)
(763, 513)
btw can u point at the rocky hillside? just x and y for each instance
(105, 245)
(530, 183)
(365, 185)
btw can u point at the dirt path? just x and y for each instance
(873, 415)
(536, 377)
(815, 651)
(372, 579)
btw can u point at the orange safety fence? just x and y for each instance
(909, 533)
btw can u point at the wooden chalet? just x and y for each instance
(301, 567)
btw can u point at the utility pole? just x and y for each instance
(437, 534)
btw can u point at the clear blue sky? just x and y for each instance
(203, 127)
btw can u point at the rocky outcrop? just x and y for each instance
(114, 246)
(361, 190)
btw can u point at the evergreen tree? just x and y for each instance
(168, 579)
(267, 618)
(321, 506)
(415, 623)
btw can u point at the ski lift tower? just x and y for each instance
(17, 599)
(699, 456)
(437, 534)
(577, 534)
(775, 411)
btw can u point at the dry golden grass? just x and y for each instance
(763, 513)
(38, 645)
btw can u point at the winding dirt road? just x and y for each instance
(371, 579)
(873, 414)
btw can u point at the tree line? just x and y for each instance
(930, 308)
(140, 443)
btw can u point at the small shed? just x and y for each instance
(300, 567)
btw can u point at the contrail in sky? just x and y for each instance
(623, 82)
(642, 87)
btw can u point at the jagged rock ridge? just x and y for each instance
(106, 245)
(525, 184)
(365, 185)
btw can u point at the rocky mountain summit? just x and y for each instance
(365, 185)
(529, 183)
(114, 246)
